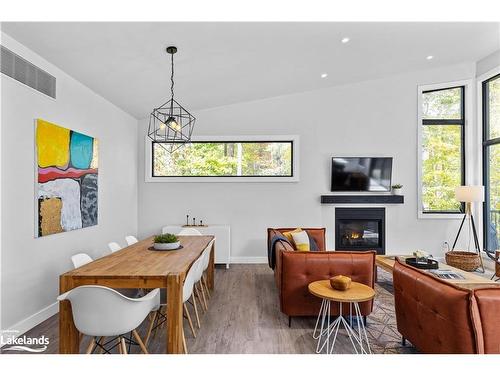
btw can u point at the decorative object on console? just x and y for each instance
(340, 282)
(171, 124)
(467, 260)
(421, 256)
(429, 264)
(66, 186)
(396, 189)
(166, 241)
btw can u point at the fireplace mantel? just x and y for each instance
(363, 199)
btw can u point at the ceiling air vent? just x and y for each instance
(25, 72)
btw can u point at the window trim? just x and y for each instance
(486, 142)
(294, 139)
(466, 141)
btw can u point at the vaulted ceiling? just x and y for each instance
(224, 63)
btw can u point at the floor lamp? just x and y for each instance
(469, 194)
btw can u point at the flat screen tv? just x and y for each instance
(361, 174)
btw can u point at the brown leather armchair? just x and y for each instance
(439, 317)
(294, 271)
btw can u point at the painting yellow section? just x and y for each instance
(52, 143)
(50, 216)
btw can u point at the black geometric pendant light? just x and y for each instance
(171, 124)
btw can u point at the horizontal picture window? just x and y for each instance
(224, 159)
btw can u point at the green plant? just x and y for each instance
(166, 238)
(397, 186)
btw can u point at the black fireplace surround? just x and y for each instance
(359, 229)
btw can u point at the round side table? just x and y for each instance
(352, 296)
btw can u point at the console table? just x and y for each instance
(470, 280)
(222, 234)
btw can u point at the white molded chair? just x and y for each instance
(187, 293)
(80, 259)
(113, 246)
(189, 232)
(205, 262)
(99, 311)
(131, 240)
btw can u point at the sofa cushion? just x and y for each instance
(488, 305)
(317, 234)
(298, 269)
(289, 234)
(433, 314)
(301, 240)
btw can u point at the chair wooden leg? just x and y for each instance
(123, 346)
(201, 293)
(196, 311)
(80, 337)
(205, 289)
(120, 349)
(101, 342)
(91, 346)
(139, 341)
(184, 343)
(188, 316)
(150, 327)
(197, 293)
(204, 279)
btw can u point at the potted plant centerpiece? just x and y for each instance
(396, 189)
(166, 241)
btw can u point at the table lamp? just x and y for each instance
(468, 195)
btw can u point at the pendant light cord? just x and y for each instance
(172, 78)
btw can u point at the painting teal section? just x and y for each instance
(80, 150)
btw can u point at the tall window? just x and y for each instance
(442, 149)
(225, 159)
(491, 162)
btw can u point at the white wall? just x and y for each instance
(368, 118)
(30, 267)
(488, 63)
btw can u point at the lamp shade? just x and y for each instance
(469, 193)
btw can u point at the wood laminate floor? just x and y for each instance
(244, 317)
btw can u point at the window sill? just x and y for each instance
(222, 179)
(436, 216)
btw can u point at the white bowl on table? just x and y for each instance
(167, 246)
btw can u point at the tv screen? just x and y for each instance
(361, 174)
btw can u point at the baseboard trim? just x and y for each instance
(32, 321)
(248, 260)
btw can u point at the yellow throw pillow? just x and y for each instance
(301, 240)
(289, 236)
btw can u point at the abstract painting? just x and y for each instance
(66, 179)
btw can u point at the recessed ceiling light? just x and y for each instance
(324, 75)
(430, 57)
(345, 40)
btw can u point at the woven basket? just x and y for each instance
(464, 260)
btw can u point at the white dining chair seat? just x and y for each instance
(189, 232)
(102, 311)
(80, 259)
(131, 240)
(114, 247)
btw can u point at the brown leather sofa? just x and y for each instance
(439, 317)
(294, 270)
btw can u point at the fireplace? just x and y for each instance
(358, 229)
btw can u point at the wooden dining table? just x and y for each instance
(138, 266)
